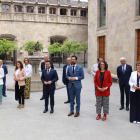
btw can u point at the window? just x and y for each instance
(5, 8)
(102, 47)
(41, 10)
(30, 9)
(73, 12)
(83, 13)
(138, 45)
(52, 10)
(18, 8)
(63, 12)
(102, 13)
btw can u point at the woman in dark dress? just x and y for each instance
(134, 83)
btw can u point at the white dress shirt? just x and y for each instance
(49, 70)
(28, 70)
(124, 67)
(94, 69)
(76, 78)
(133, 80)
(17, 71)
(1, 75)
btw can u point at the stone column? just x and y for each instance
(36, 11)
(69, 15)
(12, 11)
(24, 11)
(58, 14)
(0, 7)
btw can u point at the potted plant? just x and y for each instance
(29, 46)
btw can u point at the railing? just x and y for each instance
(42, 18)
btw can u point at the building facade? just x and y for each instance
(113, 32)
(46, 21)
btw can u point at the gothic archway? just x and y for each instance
(12, 57)
(56, 57)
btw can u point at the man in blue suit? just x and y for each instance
(43, 66)
(48, 78)
(4, 79)
(64, 78)
(75, 74)
(124, 73)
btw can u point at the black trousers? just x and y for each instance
(68, 90)
(19, 93)
(127, 93)
(48, 93)
(135, 106)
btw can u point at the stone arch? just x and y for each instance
(56, 57)
(13, 55)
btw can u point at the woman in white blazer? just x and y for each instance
(134, 83)
(1, 80)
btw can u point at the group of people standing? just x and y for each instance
(129, 83)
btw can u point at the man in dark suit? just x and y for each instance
(75, 74)
(48, 78)
(64, 78)
(43, 66)
(124, 73)
(4, 78)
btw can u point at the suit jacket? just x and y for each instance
(107, 82)
(5, 70)
(52, 76)
(22, 76)
(79, 73)
(124, 78)
(43, 66)
(64, 75)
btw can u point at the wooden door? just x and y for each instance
(138, 45)
(102, 47)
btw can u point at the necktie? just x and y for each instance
(47, 71)
(73, 69)
(123, 70)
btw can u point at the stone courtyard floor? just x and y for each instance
(31, 123)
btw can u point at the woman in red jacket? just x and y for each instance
(103, 82)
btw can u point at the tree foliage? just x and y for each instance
(70, 47)
(7, 46)
(29, 46)
(84, 46)
(56, 47)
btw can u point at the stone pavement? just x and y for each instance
(31, 123)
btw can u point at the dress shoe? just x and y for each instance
(66, 102)
(134, 121)
(71, 113)
(138, 122)
(18, 105)
(104, 117)
(98, 117)
(127, 108)
(42, 98)
(22, 106)
(5, 95)
(51, 111)
(45, 110)
(76, 114)
(121, 108)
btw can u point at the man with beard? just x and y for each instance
(43, 66)
(75, 74)
(48, 78)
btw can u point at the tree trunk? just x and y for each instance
(84, 58)
(5, 58)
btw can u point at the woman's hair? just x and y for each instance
(106, 65)
(27, 59)
(138, 62)
(21, 65)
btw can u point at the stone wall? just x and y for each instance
(122, 22)
(42, 32)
